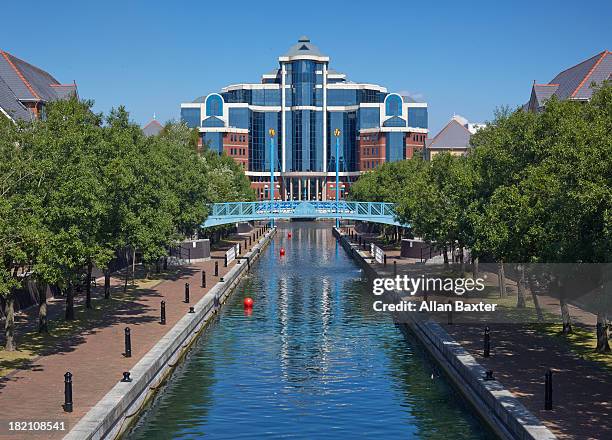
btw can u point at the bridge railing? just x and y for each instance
(240, 209)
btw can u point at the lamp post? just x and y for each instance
(337, 133)
(272, 133)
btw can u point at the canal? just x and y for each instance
(312, 361)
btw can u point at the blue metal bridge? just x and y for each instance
(235, 212)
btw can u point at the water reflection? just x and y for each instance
(312, 361)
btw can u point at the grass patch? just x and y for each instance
(582, 342)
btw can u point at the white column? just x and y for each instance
(291, 188)
(300, 188)
(317, 188)
(283, 74)
(308, 190)
(324, 117)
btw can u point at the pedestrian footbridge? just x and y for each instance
(235, 212)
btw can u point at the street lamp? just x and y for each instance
(272, 132)
(337, 133)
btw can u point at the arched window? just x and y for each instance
(393, 105)
(214, 105)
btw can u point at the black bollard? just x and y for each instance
(216, 268)
(385, 259)
(248, 263)
(394, 268)
(487, 342)
(191, 309)
(162, 320)
(203, 278)
(126, 377)
(128, 343)
(450, 312)
(238, 261)
(68, 391)
(548, 390)
(186, 293)
(225, 261)
(489, 375)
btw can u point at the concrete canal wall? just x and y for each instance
(112, 415)
(508, 418)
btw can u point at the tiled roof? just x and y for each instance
(575, 82)
(453, 135)
(152, 128)
(543, 92)
(29, 83)
(11, 105)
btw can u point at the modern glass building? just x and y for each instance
(304, 102)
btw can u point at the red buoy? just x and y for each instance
(289, 235)
(282, 252)
(248, 303)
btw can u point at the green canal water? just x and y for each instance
(312, 361)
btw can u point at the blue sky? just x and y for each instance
(460, 57)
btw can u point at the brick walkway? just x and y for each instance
(582, 393)
(95, 356)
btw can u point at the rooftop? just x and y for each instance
(574, 82)
(22, 82)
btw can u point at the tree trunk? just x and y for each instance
(520, 300)
(106, 283)
(534, 296)
(9, 324)
(127, 270)
(445, 256)
(88, 285)
(69, 302)
(501, 275)
(461, 261)
(133, 266)
(565, 317)
(603, 344)
(43, 325)
(475, 268)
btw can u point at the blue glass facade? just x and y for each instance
(304, 102)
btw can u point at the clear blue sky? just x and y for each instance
(461, 57)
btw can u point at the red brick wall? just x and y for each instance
(371, 151)
(414, 142)
(236, 145)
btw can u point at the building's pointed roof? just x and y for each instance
(303, 48)
(29, 83)
(153, 128)
(453, 135)
(573, 83)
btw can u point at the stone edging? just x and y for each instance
(113, 414)
(497, 406)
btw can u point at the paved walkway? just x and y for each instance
(582, 393)
(95, 356)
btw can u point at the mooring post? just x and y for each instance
(68, 391)
(162, 320)
(548, 390)
(186, 293)
(203, 278)
(487, 342)
(128, 343)
(216, 268)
